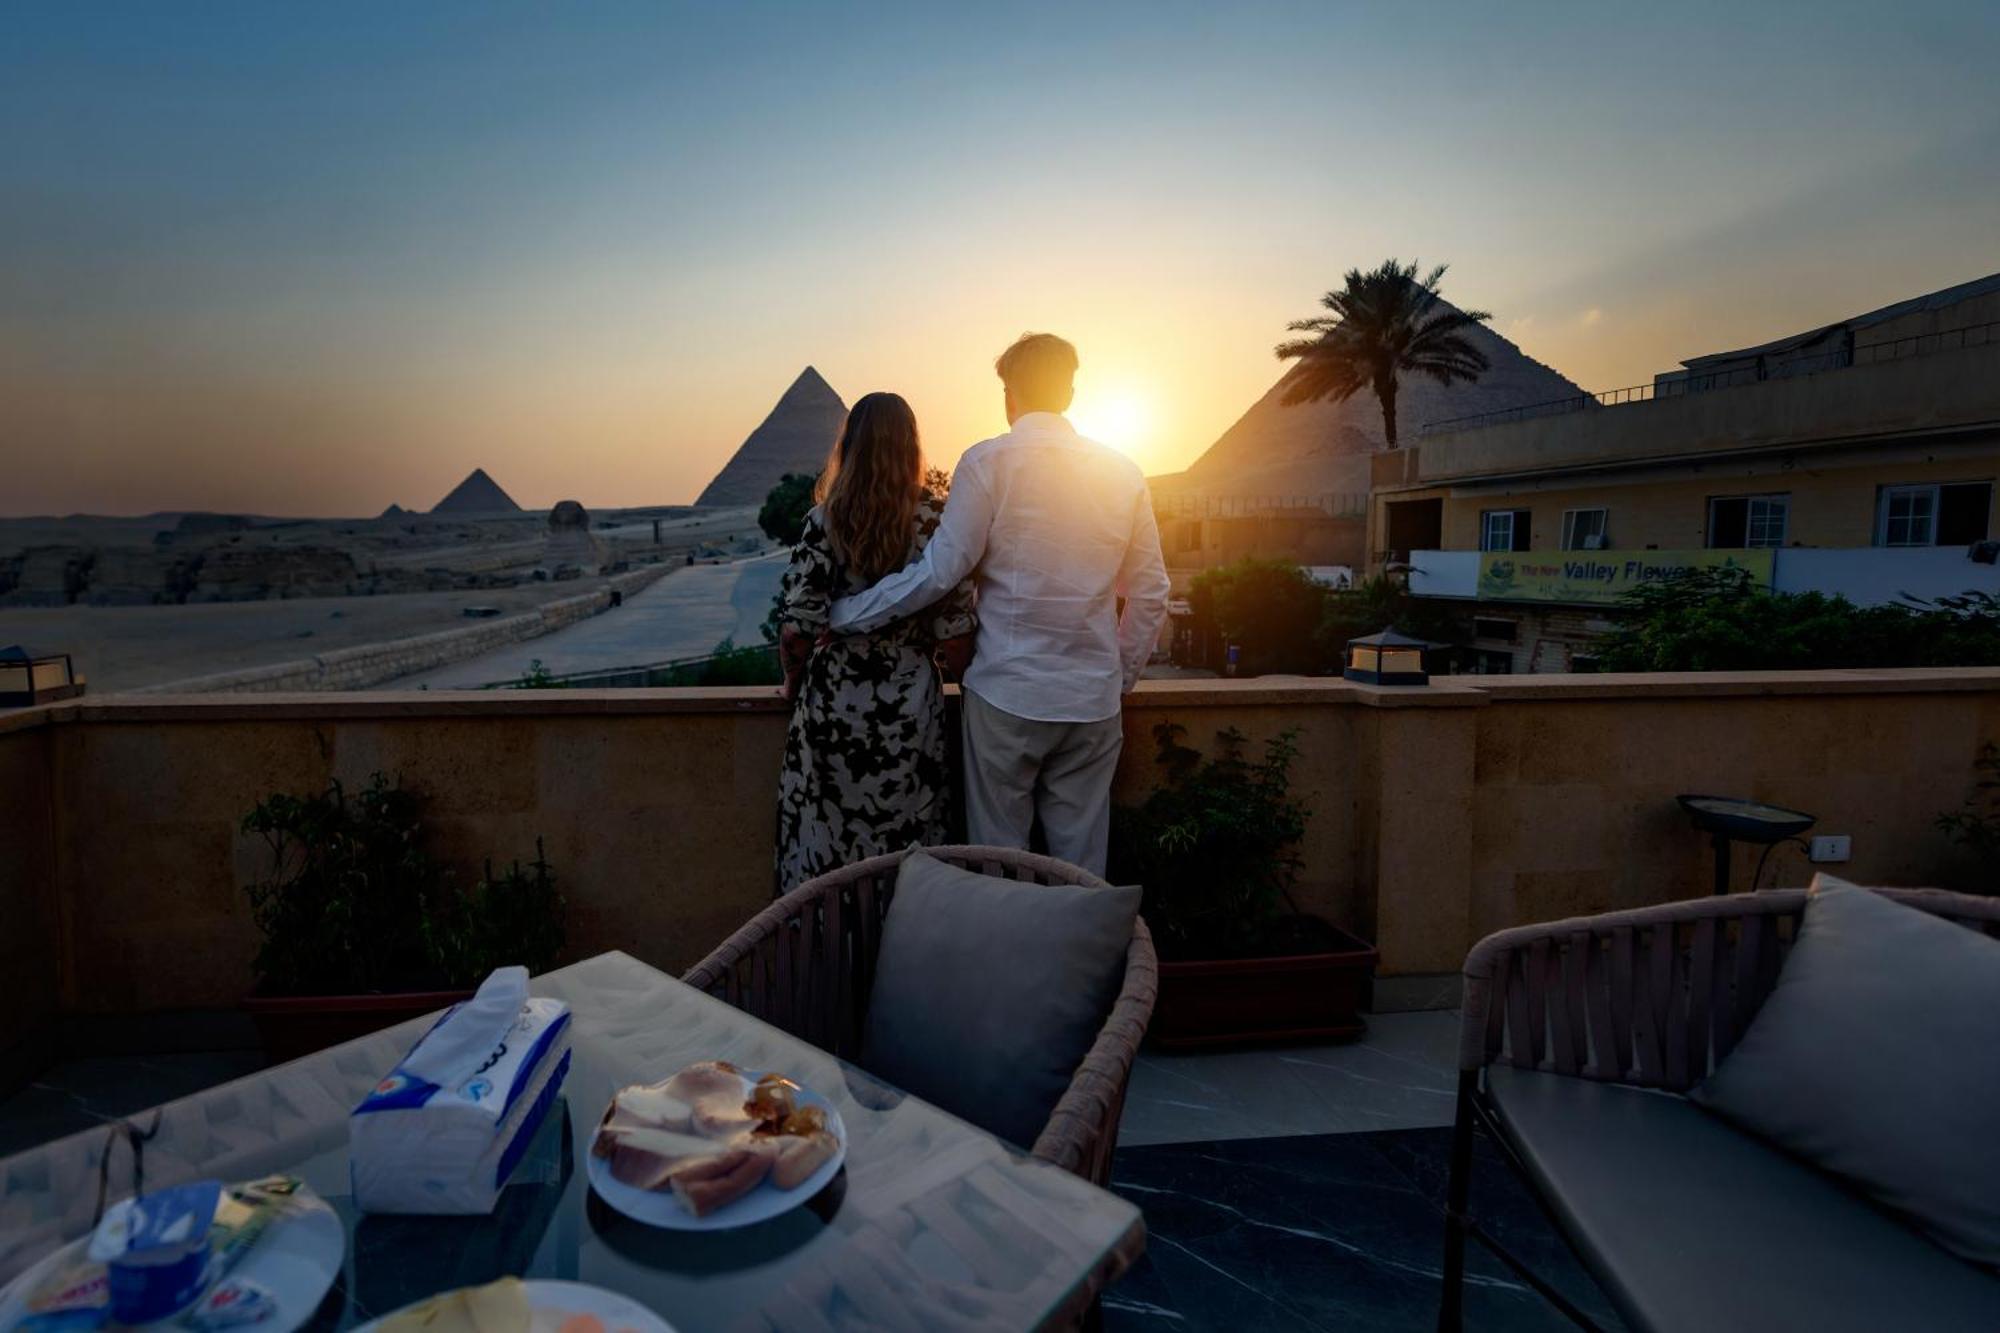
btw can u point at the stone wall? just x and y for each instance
(371, 664)
(1437, 814)
(30, 933)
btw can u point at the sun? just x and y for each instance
(1121, 418)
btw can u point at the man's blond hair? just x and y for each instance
(1041, 370)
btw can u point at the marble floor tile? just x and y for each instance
(1323, 1231)
(1401, 1075)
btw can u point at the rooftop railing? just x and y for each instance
(1679, 385)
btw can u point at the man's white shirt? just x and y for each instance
(1054, 527)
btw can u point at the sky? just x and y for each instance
(315, 259)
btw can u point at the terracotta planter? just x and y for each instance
(294, 1025)
(1245, 1001)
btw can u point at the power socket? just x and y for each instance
(1831, 847)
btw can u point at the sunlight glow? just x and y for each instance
(1121, 417)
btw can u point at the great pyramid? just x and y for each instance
(477, 494)
(1315, 448)
(794, 438)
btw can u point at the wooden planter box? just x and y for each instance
(294, 1025)
(1244, 1001)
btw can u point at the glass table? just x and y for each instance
(932, 1224)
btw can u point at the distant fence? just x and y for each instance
(1677, 384)
(1337, 504)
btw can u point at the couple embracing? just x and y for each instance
(1012, 580)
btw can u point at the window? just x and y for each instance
(1484, 627)
(1954, 514)
(1488, 663)
(1748, 520)
(1583, 529)
(1504, 529)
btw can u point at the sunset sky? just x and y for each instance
(305, 259)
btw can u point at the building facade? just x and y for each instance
(1860, 459)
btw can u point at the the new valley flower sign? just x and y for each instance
(1601, 576)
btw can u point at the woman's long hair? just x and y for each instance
(872, 482)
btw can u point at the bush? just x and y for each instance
(783, 513)
(1719, 620)
(1268, 609)
(354, 904)
(1214, 847)
(729, 665)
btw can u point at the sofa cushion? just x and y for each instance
(1875, 1058)
(1689, 1223)
(989, 992)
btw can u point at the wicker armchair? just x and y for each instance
(806, 964)
(1654, 997)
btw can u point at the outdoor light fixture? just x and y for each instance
(28, 677)
(1387, 658)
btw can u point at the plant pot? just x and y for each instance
(1245, 1001)
(294, 1025)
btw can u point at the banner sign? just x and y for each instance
(1601, 576)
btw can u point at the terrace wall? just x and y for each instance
(1437, 814)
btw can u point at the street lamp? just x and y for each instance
(1387, 658)
(28, 677)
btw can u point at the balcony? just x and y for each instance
(1439, 815)
(1864, 575)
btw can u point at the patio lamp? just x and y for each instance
(1387, 658)
(29, 677)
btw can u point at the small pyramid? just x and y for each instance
(394, 511)
(795, 437)
(1314, 448)
(477, 494)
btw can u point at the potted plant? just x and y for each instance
(1215, 849)
(363, 929)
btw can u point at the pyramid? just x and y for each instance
(1316, 448)
(794, 438)
(477, 494)
(394, 511)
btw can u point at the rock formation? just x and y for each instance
(477, 494)
(1317, 448)
(794, 438)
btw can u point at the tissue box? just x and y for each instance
(418, 1147)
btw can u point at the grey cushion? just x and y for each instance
(989, 992)
(1877, 1057)
(1688, 1223)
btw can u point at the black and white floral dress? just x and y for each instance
(865, 761)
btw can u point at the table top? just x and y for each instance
(932, 1224)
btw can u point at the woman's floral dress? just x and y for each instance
(865, 762)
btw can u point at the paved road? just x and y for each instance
(685, 614)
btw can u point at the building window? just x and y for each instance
(1484, 627)
(1504, 530)
(1954, 514)
(1583, 529)
(1748, 520)
(1489, 663)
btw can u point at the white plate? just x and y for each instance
(553, 1302)
(659, 1208)
(296, 1260)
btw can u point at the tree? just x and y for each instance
(1267, 608)
(1384, 324)
(783, 515)
(1719, 620)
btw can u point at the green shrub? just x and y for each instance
(1215, 846)
(353, 903)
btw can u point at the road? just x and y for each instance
(685, 614)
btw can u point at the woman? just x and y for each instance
(865, 769)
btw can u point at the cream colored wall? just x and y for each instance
(29, 929)
(1830, 506)
(1437, 815)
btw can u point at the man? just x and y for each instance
(1053, 527)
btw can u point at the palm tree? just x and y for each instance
(1383, 324)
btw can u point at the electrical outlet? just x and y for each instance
(1832, 847)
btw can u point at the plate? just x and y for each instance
(296, 1260)
(659, 1208)
(554, 1302)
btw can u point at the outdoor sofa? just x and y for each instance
(1580, 1039)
